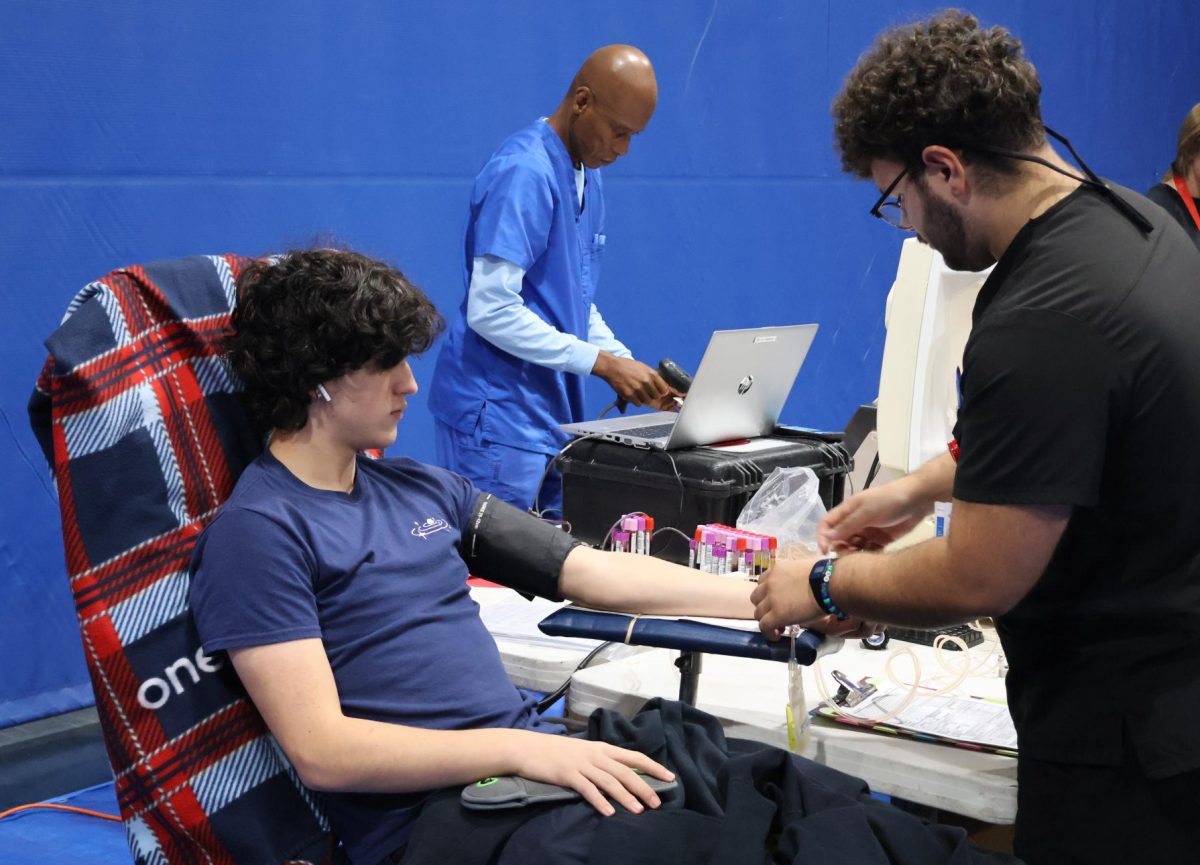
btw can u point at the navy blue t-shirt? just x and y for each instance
(377, 576)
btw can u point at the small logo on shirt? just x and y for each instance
(745, 385)
(429, 527)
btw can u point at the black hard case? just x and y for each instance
(682, 488)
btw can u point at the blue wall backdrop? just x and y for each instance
(133, 131)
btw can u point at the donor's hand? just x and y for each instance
(595, 770)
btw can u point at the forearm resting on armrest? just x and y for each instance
(643, 584)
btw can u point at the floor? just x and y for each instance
(59, 758)
(51, 757)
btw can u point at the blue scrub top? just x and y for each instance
(524, 209)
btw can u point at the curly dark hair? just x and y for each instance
(314, 315)
(943, 81)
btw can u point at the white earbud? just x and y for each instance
(323, 394)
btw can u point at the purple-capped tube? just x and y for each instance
(718, 558)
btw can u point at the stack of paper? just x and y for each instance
(967, 722)
(508, 616)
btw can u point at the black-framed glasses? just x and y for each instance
(891, 210)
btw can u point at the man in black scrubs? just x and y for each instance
(1076, 505)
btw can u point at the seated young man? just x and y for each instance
(337, 583)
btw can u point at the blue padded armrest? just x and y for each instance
(684, 635)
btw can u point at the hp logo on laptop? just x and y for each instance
(745, 384)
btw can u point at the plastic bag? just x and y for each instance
(788, 506)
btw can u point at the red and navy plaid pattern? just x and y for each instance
(138, 414)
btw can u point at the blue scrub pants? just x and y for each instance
(509, 473)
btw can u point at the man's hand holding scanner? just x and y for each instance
(635, 382)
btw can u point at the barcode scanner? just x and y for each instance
(672, 373)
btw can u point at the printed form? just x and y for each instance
(960, 719)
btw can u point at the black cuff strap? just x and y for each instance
(515, 549)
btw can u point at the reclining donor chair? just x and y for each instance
(138, 415)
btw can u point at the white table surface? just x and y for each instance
(535, 662)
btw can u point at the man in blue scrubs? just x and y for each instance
(513, 365)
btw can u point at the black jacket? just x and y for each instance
(738, 802)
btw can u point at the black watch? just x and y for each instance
(818, 581)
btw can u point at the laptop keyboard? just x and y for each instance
(654, 431)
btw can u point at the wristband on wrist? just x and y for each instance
(818, 581)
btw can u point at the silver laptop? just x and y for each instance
(738, 392)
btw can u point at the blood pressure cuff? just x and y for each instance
(515, 549)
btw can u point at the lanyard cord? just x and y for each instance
(1188, 201)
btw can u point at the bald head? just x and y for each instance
(612, 98)
(618, 69)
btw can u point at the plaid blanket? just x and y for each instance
(137, 413)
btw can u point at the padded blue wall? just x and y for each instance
(133, 131)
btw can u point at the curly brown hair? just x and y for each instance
(317, 314)
(944, 81)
